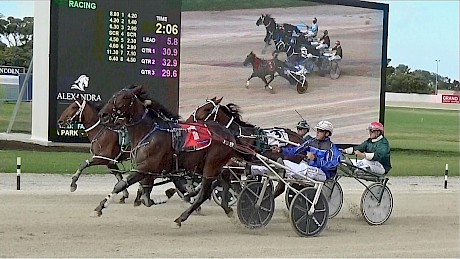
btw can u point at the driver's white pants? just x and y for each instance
(301, 170)
(335, 57)
(369, 165)
(322, 46)
(298, 171)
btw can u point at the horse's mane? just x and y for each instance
(161, 110)
(96, 105)
(233, 110)
(155, 106)
(269, 16)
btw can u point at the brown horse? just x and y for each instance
(106, 148)
(158, 148)
(263, 68)
(246, 133)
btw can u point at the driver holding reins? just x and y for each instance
(374, 153)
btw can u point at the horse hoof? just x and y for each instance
(198, 211)
(122, 200)
(137, 203)
(73, 187)
(96, 214)
(230, 213)
(147, 203)
(170, 192)
(176, 225)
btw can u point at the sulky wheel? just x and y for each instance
(249, 213)
(304, 224)
(235, 189)
(335, 71)
(289, 194)
(375, 212)
(302, 88)
(333, 192)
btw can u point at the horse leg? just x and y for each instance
(76, 176)
(147, 186)
(225, 183)
(266, 83)
(249, 78)
(280, 187)
(119, 187)
(203, 196)
(137, 200)
(115, 171)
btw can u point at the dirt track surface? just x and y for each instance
(45, 220)
(215, 44)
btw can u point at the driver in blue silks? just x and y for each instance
(321, 155)
(313, 28)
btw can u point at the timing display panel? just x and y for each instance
(98, 47)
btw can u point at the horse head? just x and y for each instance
(262, 19)
(73, 113)
(206, 111)
(265, 19)
(124, 108)
(249, 58)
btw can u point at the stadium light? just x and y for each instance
(436, 89)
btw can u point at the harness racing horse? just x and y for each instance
(106, 148)
(262, 68)
(246, 133)
(156, 143)
(271, 26)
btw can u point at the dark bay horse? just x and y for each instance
(106, 149)
(108, 146)
(271, 27)
(246, 133)
(155, 146)
(263, 68)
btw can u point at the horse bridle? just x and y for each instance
(79, 113)
(118, 114)
(214, 112)
(263, 19)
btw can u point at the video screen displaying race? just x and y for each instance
(314, 80)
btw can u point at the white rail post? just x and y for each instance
(445, 176)
(18, 173)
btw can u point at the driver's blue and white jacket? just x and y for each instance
(327, 154)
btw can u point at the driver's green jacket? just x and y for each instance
(380, 148)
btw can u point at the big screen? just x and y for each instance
(214, 45)
(98, 47)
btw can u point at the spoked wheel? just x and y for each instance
(333, 192)
(304, 224)
(375, 212)
(302, 88)
(335, 71)
(235, 189)
(251, 214)
(290, 194)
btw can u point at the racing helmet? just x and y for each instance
(303, 52)
(375, 125)
(337, 42)
(303, 124)
(325, 125)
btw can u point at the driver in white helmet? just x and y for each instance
(321, 155)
